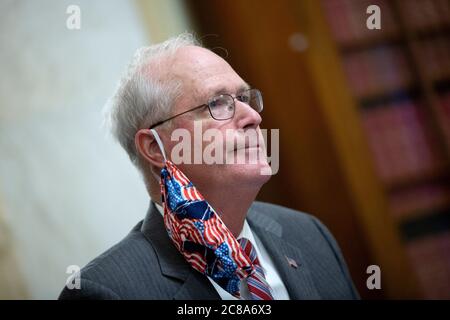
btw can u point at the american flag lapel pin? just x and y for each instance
(292, 262)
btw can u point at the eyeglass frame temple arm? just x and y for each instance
(161, 122)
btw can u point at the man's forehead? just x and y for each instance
(196, 54)
(207, 72)
(192, 60)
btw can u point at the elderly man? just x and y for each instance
(204, 236)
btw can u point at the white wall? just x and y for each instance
(67, 192)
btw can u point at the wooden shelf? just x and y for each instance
(428, 223)
(375, 99)
(370, 42)
(391, 39)
(411, 89)
(442, 85)
(425, 212)
(430, 32)
(433, 176)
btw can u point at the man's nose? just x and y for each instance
(246, 117)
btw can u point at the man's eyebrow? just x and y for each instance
(224, 90)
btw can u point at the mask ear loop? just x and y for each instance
(159, 142)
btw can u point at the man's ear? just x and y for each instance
(148, 148)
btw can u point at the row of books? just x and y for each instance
(418, 200)
(396, 123)
(435, 55)
(401, 144)
(377, 70)
(347, 18)
(430, 260)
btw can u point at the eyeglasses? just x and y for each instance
(222, 107)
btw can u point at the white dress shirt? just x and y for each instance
(279, 291)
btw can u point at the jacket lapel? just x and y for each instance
(172, 263)
(298, 281)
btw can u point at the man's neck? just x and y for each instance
(232, 207)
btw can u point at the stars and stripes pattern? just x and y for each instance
(257, 285)
(200, 234)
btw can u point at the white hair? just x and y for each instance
(145, 94)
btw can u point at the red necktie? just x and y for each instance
(257, 284)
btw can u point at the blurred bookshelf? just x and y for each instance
(364, 120)
(399, 77)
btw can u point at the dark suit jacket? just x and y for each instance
(146, 265)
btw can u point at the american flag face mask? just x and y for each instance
(198, 232)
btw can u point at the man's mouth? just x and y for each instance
(246, 146)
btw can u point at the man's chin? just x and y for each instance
(252, 173)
